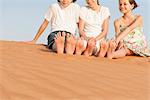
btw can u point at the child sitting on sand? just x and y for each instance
(129, 38)
(63, 17)
(93, 28)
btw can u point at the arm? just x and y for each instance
(117, 28)
(81, 29)
(104, 29)
(136, 23)
(117, 32)
(40, 31)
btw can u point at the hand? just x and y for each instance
(92, 39)
(31, 42)
(120, 45)
(114, 42)
(86, 38)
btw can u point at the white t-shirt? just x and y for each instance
(65, 19)
(93, 20)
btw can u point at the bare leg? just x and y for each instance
(103, 48)
(111, 49)
(70, 44)
(59, 41)
(90, 48)
(119, 53)
(80, 46)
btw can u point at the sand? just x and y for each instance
(32, 72)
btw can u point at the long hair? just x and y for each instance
(72, 0)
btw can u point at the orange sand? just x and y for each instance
(32, 72)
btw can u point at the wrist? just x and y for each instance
(117, 41)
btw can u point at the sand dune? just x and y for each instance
(32, 72)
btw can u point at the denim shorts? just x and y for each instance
(51, 37)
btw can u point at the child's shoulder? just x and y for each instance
(84, 8)
(138, 16)
(104, 9)
(118, 20)
(75, 5)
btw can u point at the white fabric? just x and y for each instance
(97, 45)
(93, 20)
(63, 19)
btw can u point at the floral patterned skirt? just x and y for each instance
(136, 42)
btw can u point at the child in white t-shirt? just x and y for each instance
(63, 17)
(93, 28)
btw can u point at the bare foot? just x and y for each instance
(70, 44)
(59, 41)
(80, 46)
(103, 48)
(90, 47)
(111, 49)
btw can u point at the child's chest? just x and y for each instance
(93, 18)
